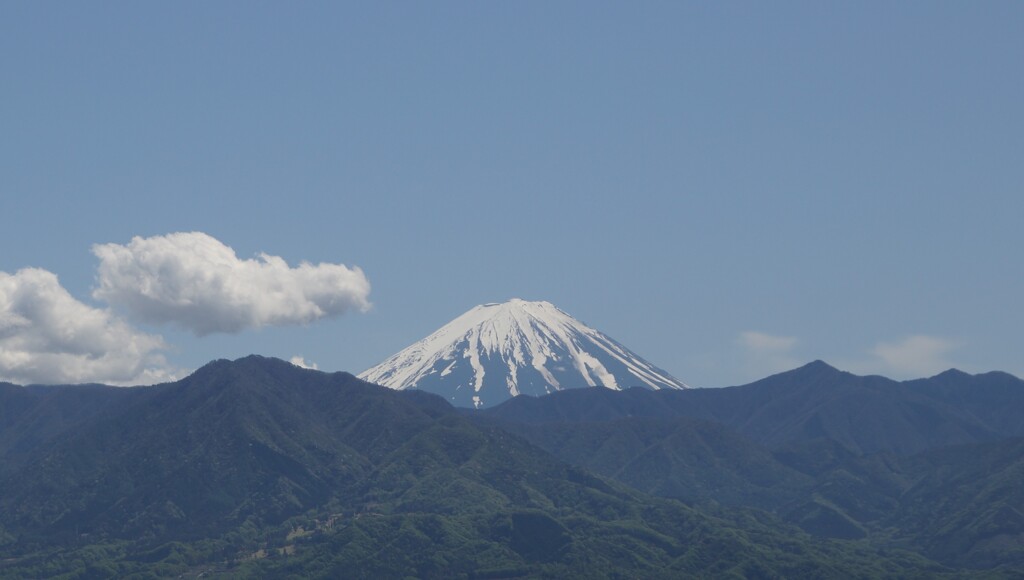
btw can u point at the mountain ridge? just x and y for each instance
(336, 476)
(864, 413)
(933, 463)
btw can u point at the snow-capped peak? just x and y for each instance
(500, 350)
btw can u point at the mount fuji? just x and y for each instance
(497, 351)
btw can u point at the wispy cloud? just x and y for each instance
(914, 356)
(47, 336)
(766, 353)
(766, 344)
(301, 362)
(910, 357)
(195, 281)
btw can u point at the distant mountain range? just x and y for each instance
(496, 351)
(933, 464)
(258, 468)
(863, 414)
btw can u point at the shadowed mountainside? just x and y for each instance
(329, 474)
(932, 464)
(864, 414)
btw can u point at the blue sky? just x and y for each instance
(729, 189)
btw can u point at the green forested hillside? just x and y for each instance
(865, 414)
(258, 468)
(794, 445)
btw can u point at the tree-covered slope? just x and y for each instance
(795, 444)
(864, 414)
(31, 416)
(257, 468)
(255, 437)
(677, 457)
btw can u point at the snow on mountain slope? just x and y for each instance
(497, 351)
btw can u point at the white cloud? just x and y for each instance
(301, 362)
(47, 336)
(195, 281)
(910, 357)
(766, 344)
(764, 354)
(914, 356)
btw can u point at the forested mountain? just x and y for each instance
(934, 465)
(30, 416)
(864, 414)
(257, 468)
